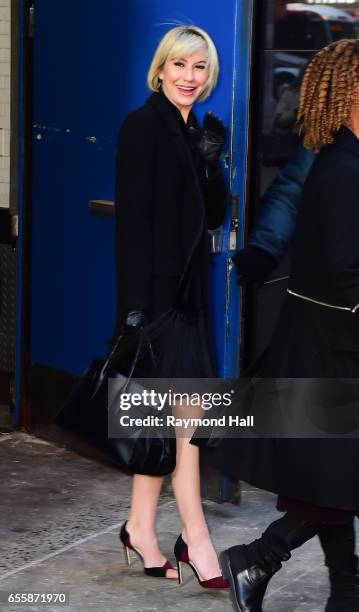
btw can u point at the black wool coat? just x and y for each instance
(164, 205)
(313, 341)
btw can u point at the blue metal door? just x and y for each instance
(90, 65)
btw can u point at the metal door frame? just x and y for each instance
(240, 134)
(20, 189)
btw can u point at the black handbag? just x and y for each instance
(138, 449)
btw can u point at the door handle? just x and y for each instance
(234, 224)
(104, 208)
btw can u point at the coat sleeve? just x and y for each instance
(134, 213)
(337, 226)
(276, 220)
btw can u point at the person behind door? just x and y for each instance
(317, 336)
(169, 192)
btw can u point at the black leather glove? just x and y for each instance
(135, 319)
(253, 265)
(212, 139)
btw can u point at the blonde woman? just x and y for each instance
(170, 191)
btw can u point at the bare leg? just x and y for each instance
(141, 522)
(186, 485)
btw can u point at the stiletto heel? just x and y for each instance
(179, 569)
(181, 554)
(126, 550)
(155, 572)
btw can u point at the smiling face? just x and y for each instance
(184, 79)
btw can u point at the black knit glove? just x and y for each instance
(253, 265)
(212, 139)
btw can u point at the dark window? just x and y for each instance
(300, 30)
(340, 30)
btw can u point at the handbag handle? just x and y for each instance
(135, 361)
(142, 336)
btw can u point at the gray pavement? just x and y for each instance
(60, 515)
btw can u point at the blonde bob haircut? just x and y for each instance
(181, 42)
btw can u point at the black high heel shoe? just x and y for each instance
(181, 554)
(154, 572)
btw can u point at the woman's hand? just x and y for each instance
(213, 136)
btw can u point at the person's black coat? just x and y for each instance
(164, 203)
(313, 341)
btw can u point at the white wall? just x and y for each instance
(5, 30)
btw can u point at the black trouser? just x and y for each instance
(338, 544)
(291, 531)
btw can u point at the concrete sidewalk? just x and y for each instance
(59, 521)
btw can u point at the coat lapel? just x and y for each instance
(176, 126)
(193, 210)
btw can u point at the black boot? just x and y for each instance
(338, 543)
(249, 568)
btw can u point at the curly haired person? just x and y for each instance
(317, 336)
